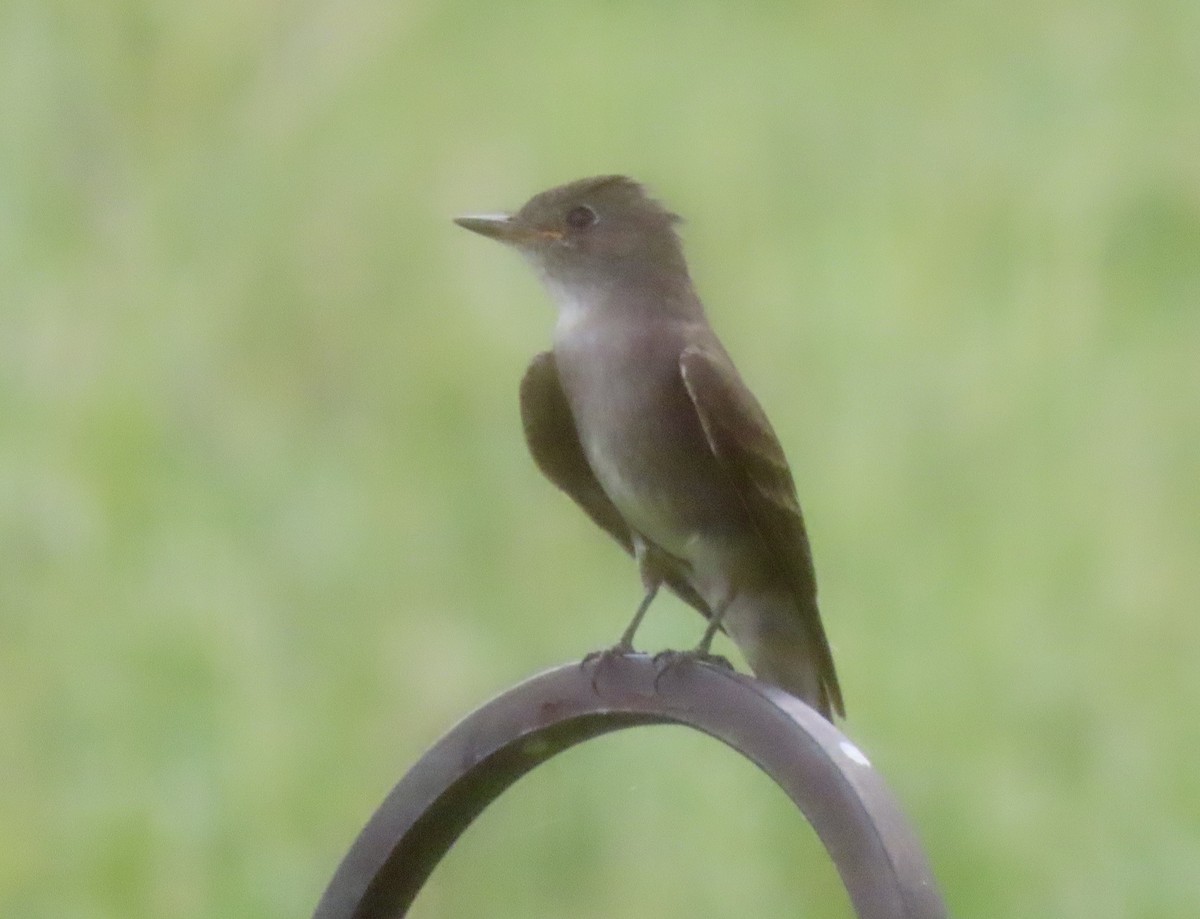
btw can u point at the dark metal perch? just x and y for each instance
(826, 776)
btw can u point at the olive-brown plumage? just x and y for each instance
(640, 416)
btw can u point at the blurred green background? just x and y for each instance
(267, 522)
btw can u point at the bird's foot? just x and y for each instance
(620, 649)
(598, 659)
(665, 661)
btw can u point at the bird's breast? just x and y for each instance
(640, 431)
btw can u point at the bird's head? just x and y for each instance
(590, 231)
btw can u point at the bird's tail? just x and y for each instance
(788, 650)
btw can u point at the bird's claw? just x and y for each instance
(665, 661)
(620, 649)
(604, 656)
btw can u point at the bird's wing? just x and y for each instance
(554, 443)
(741, 438)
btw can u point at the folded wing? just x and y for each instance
(743, 441)
(554, 443)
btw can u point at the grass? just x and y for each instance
(268, 527)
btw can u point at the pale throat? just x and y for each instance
(575, 303)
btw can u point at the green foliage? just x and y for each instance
(267, 526)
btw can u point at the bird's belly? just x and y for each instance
(642, 437)
(666, 487)
(645, 498)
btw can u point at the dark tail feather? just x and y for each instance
(796, 672)
(801, 663)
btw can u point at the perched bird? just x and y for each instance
(640, 416)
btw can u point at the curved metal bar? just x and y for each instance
(824, 773)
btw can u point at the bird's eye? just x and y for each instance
(580, 218)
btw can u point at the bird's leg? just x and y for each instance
(651, 581)
(665, 660)
(625, 644)
(702, 650)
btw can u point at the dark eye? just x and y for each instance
(580, 218)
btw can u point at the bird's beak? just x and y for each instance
(503, 227)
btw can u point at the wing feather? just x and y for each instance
(554, 443)
(741, 438)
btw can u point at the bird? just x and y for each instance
(638, 413)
